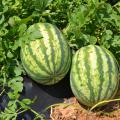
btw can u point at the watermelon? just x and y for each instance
(94, 75)
(46, 55)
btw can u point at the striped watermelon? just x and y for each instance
(46, 59)
(94, 75)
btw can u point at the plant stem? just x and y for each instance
(2, 92)
(37, 114)
(104, 102)
(19, 109)
(21, 112)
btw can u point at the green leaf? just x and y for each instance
(17, 71)
(2, 18)
(27, 101)
(11, 95)
(23, 105)
(16, 84)
(12, 106)
(22, 29)
(10, 54)
(93, 40)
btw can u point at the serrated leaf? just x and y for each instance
(12, 106)
(16, 84)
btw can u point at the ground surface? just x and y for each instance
(72, 110)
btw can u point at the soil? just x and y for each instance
(72, 110)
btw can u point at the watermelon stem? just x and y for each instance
(104, 102)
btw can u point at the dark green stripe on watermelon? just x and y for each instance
(51, 37)
(61, 48)
(83, 98)
(100, 70)
(50, 34)
(68, 64)
(110, 71)
(89, 79)
(39, 63)
(37, 76)
(44, 51)
(79, 78)
(32, 73)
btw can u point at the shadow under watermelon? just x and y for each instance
(46, 95)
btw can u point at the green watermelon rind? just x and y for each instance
(46, 60)
(89, 85)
